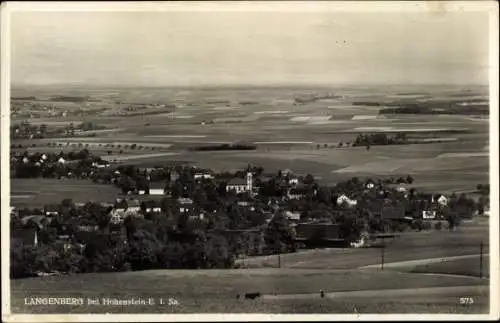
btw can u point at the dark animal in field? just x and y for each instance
(252, 295)
(322, 293)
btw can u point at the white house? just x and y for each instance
(294, 216)
(117, 216)
(442, 200)
(369, 184)
(156, 189)
(344, 199)
(61, 160)
(199, 176)
(51, 210)
(296, 193)
(294, 181)
(428, 214)
(240, 185)
(100, 164)
(133, 206)
(156, 209)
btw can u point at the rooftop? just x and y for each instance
(237, 181)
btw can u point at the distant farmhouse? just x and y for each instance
(156, 189)
(344, 200)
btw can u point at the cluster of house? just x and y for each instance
(124, 208)
(47, 160)
(295, 189)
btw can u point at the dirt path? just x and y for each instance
(453, 291)
(418, 262)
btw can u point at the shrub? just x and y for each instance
(426, 225)
(438, 226)
(417, 225)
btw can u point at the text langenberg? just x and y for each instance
(53, 301)
(106, 301)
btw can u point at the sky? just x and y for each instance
(252, 47)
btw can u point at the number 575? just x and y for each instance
(466, 300)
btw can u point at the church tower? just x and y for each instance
(249, 182)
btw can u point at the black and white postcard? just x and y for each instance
(214, 161)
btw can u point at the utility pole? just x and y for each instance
(383, 252)
(279, 259)
(278, 248)
(481, 260)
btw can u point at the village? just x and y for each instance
(188, 217)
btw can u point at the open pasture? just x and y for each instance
(466, 267)
(46, 191)
(425, 244)
(213, 290)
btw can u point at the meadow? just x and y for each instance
(423, 245)
(465, 267)
(216, 290)
(38, 192)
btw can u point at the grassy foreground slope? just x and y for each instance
(292, 289)
(216, 290)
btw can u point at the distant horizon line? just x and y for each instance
(240, 85)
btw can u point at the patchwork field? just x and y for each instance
(38, 192)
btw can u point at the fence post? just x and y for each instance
(383, 253)
(481, 260)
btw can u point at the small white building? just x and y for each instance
(200, 176)
(156, 189)
(401, 188)
(369, 184)
(442, 200)
(343, 199)
(61, 160)
(133, 206)
(294, 181)
(428, 214)
(293, 216)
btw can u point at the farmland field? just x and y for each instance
(38, 192)
(290, 135)
(468, 267)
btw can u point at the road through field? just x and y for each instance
(453, 291)
(418, 262)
